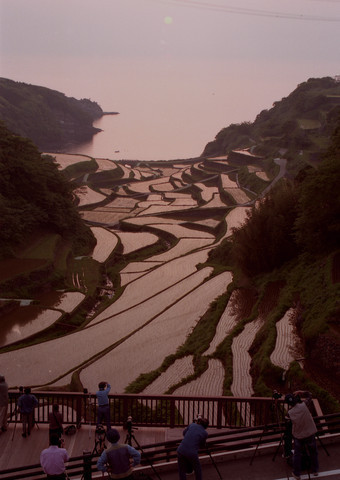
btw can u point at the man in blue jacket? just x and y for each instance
(195, 436)
(119, 459)
(103, 404)
(26, 404)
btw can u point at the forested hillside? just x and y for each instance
(49, 118)
(296, 127)
(34, 198)
(289, 248)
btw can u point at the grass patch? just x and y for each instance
(43, 247)
(80, 168)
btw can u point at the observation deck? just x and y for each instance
(245, 436)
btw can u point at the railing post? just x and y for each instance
(172, 413)
(79, 410)
(126, 412)
(219, 413)
(87, 465)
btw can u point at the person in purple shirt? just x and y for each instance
(103, 404)
(195, 436)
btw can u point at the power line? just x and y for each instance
(248, 11)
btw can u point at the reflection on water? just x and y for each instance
(24, 321)
(69, 301)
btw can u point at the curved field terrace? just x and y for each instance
(164, 294)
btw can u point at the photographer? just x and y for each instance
(119, 459)
(26, 405)
(303, 429)
(103, 404)
(195, 436)
(53, 459)
(3, 403)
(55, 420)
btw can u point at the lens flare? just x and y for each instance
(168, 20)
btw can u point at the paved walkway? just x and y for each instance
(16, 451)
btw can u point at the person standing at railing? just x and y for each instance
(53, 459)
(195, 436)
(103, 404)
(55, 419)
(303, 430)
(26, 404)
(3, 403)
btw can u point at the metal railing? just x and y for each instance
(167, 411)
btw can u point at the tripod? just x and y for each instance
(213, 462)
(130, 436)
(283, 439)
(99, 444)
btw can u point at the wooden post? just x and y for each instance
(87, 465)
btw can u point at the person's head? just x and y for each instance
(113, 435)
(292, 399)
(27, 390)
(2, 378)
(54, 440)
(55, 407)
(203, 421)
(101, 385)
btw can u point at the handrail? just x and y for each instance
(224, 441)
(166, 411)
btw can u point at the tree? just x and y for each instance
(317, 227)
(33, 195)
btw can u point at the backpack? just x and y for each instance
(70, 430)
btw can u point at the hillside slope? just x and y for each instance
(49, 118)
(297, 127)
(36, 202)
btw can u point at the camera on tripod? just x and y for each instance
(129, 425)
(276, 395)
(100, 432)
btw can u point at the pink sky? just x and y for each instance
(178, 71)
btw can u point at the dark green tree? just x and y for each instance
(318, 221)
(34, 195)
(266, 241)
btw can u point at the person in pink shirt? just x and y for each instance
(53, 459)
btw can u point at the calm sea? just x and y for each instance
(169, 109)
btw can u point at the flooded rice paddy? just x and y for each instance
(163, 297)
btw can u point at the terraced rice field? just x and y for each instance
(164, 296)
(64, 159)
(141, 352)
(242, 381)
(106, 242)
(238, 195)
(19, 332)
(182, 368)
(216, 202)
(288, 343)
(133, 241)
(69, 301)
(87, 196)
(207, 193)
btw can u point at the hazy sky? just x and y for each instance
(209, 57)
(155, 28)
